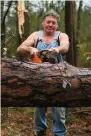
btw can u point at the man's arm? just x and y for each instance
(64, 43)
(27, 46)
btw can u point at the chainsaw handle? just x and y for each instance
(42, 52)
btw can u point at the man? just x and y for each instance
(51, 39)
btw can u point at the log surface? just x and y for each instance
(32, 84)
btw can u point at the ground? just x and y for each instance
(20, 122)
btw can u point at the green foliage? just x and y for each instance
(85, 32)
(83, 55)
(85, 38)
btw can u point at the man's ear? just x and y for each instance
(57, 27)
(42, 23)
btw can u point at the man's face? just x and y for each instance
(50, 24)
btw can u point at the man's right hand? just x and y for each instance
(33, 50)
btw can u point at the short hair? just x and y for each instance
(52, 13)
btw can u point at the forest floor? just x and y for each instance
(20, 122)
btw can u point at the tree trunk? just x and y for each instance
(3, 27)
(32, 84)
(79, 21)
(70, 30)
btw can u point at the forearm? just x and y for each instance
(63, 48)
(23, 50)
(64, 43)
(27, 45)
(26, 51)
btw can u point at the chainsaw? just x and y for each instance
(45, 56)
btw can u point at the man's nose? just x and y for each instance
(50, 24)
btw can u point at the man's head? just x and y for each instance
(50, 21)
(51, 13)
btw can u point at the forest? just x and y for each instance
(75, 20)
(10, 38)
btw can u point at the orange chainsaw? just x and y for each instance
(35, 58)
(45, 56)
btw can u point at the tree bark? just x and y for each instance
(3, 27)
(32, 84)
(70, 30)
(79, 21)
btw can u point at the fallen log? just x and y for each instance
(32, 84)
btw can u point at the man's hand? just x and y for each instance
(33, 50)
(54, 49)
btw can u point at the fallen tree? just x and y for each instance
(32, 84)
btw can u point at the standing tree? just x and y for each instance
(3, 19)
(78, 25)
(79, 21)
(3, 30)
(70, 30)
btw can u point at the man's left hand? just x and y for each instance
(54, 49)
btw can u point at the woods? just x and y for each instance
(77, 23)
(29, 84)
(22, 20)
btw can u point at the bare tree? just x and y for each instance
(3, 19)
(79, 21)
